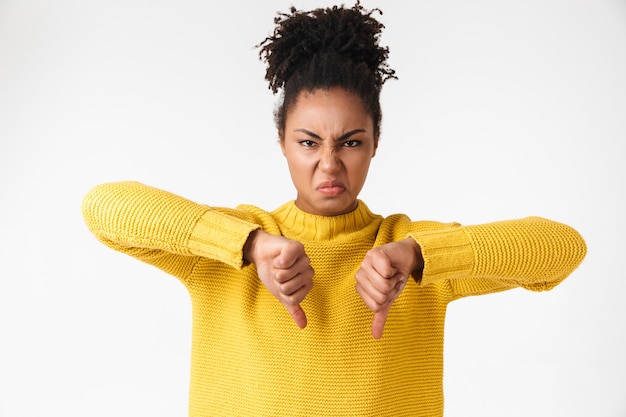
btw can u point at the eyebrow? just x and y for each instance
(339, 139)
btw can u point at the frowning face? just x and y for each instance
(329, 143)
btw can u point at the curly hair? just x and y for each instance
(326, 48)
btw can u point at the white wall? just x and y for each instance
(502, 110)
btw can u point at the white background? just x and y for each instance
(503, 109)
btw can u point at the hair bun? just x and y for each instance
(351, 33)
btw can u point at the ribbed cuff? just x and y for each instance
(447, 254)
(221, 237)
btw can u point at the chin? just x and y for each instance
(327, 206)
(336, 208)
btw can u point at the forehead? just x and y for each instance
(329, 107)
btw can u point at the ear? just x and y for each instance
(281, 141)
(375, 146)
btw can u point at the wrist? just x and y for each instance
(250, 245)
(418, 261)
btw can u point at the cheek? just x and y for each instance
(359, 169)
(299, 166)
(363, 175)
(294, 160)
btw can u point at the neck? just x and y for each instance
(302, 226)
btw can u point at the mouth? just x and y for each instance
(331, 188)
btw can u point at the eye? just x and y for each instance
(307, 143)
(351, 143)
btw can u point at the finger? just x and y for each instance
(300, 270)
(296, 297)
(381, 263)
(289, 255)
(371, 282)
(297, 314)
(381, 289)
(378, 322)
(292, 287)
(373, 300)
(300, 284)
(380, 317)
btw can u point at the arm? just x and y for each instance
(532, 253)
(163, 229)
(172, 233)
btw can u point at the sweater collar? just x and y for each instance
(302, 226)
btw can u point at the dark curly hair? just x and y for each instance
(326, 48)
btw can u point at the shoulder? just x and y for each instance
(398, 226)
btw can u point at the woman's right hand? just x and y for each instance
(283, 267)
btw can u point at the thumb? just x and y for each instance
(297, 314)
(378, 323)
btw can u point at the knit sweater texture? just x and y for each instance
(248, 356)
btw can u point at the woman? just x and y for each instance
(324, 260)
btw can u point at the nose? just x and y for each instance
(329, 161)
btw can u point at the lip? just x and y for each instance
(331, 188)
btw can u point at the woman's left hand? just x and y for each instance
(383, 275)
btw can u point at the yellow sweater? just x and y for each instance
(248, 356)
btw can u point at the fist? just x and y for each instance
(383, 275)
(284, 268)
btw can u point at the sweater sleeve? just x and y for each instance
(532, 253)
(164, 229)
